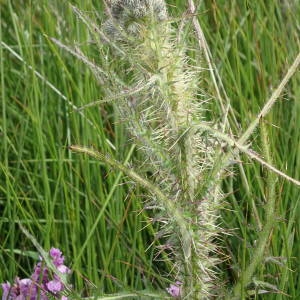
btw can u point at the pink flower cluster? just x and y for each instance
(41, 284)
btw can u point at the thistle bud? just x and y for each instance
(126, 16)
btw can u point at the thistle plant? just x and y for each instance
(165, 111)
(163, 117)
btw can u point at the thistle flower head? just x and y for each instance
(126, 16)
(138, 8)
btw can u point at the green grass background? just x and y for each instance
(91, 212)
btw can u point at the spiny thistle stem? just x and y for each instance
(164, 122)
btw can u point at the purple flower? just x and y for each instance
(56, 254)
(175, 290)
(41, 283)
(21, 289)
(6, 290)
(40, 274)
(26, 287)
(63, 269)
(55, 286)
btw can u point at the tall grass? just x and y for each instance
(67, 201)
(87, 209)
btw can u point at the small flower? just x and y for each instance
(55, 286)
(21, 289)
(56, 254)
(175, 290)
(25, 286)
(6, 287)
(63, 269)
(40, 274)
